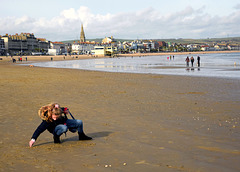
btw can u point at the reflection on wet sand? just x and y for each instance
(212, 65)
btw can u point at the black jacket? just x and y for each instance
(50, 126)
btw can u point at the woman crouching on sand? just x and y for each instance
(56, 122)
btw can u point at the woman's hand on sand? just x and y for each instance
(32, 141)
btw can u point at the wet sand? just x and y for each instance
(77, 57)
(138, 122)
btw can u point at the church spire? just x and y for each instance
(82, 35)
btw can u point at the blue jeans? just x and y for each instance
(72, 124)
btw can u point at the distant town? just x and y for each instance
(28, 44)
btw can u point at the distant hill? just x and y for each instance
(71, 41)
(97, 40)
(232, 40)
(208, 40)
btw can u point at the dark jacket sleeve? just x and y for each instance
(41, 128)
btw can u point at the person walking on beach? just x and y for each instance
(54, 119)
(198, 61)
(192, 60)
(187, 61)
(13, 60)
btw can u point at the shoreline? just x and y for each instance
(179, 53)
(78, 57)
(203, 73)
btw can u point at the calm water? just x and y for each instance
(212, 65)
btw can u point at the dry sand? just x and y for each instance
(138, 122)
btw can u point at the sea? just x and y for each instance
(222, 65)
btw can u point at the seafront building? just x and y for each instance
(57, 48)
(108, 47)
(82, 48)
(24, 43)
(109, 40)
(104, 51)
(2, 47)
(15, 43)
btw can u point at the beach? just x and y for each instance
(139, 122)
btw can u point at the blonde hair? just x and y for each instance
(45, 112)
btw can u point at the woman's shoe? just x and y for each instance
(82, 136)
(56, 139)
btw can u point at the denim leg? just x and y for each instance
(60, 129)
(75, 125)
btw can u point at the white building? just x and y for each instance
(104, 51)
(52, 52)
(85, 48)
(109, 40)
(59, 46)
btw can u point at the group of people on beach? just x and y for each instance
(20, 59)
(170, 58)
(188, 60)
(192, 61)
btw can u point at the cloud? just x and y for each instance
(70, 14)
(237, 6)
(147, 23)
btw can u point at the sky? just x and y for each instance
(60, 20)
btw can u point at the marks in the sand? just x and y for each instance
(144, 162)
(121, 92)
(157, 76)
(141, 163)
(202, 93)
(217, 149)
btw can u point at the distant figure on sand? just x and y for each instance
(198, 61)
(54, 119)
(187, 61)
(192, 60)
